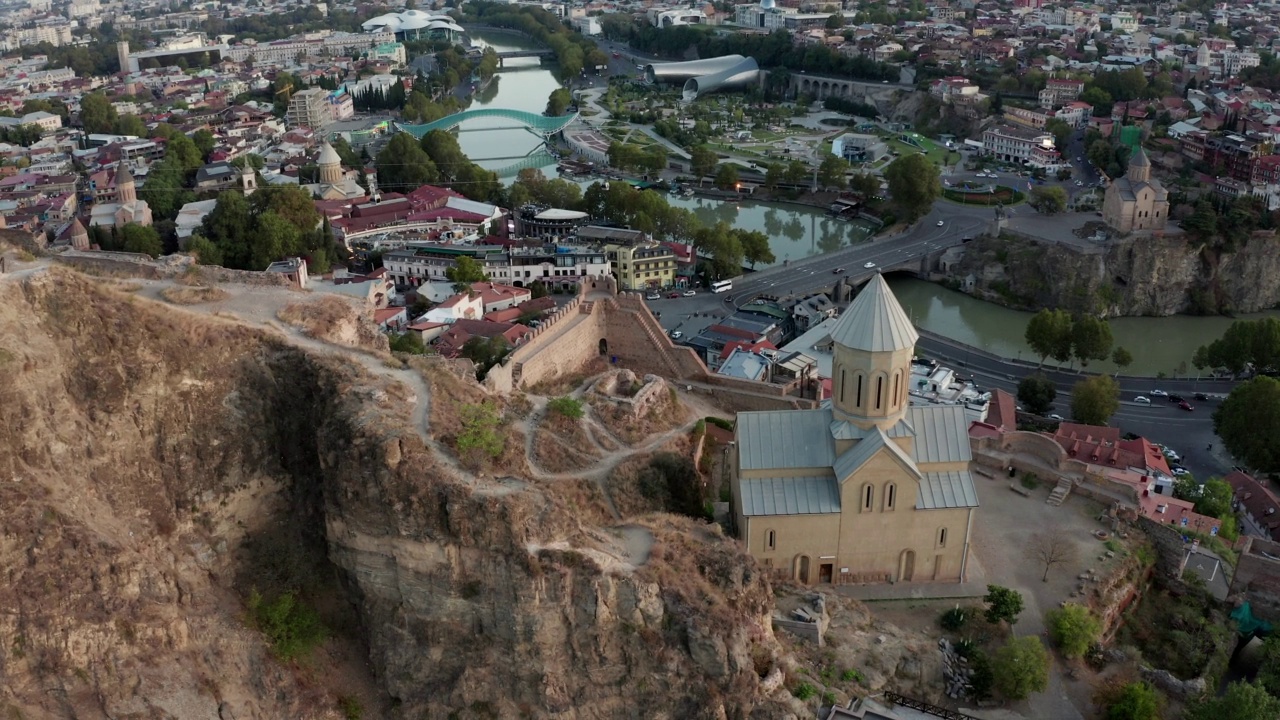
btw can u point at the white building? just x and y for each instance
(333, 44)
(47, 122)
(1022, 145)
(672, 17)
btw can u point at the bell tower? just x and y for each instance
(874, 342)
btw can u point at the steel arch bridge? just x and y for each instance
(540, 124)
(538, 159)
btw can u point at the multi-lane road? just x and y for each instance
(1190, 433)
(809, 275)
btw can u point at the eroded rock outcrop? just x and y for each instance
(155, 465)
(1128, 276)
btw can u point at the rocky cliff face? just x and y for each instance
(155, 466)
(1131, 276)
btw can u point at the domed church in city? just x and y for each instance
(868, 488)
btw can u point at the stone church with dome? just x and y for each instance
(867, 488)
(335, 184)
(1136, 202)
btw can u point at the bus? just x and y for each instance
(720, 286)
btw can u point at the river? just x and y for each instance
(1158, 344)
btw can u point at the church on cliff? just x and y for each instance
(1136, 202)
(868, 487)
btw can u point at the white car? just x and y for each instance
(868, 265)
(1180, 471)
(676, 334)
(1142, 400)
(1159, 393)
(1056, 416)
(939, 223)
(653, 296)
(981, 174)
(992, 175)
(690, 293)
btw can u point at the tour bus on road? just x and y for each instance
(720, 286)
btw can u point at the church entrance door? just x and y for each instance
(906, 565)
(824, 573)
(802, 569)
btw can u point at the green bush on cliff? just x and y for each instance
(293, 628)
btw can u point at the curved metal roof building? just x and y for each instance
(740, 75)
(706, 76)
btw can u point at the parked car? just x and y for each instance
(690, 293)
(653, 296)
(1186, 406)
(673, 295)
(1159, 393)
(1056, 416)
(676, 334)
(1180, 471)
(1142, 400)
(1201, 397)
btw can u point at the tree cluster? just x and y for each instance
(1095, 400)
(376, 98)
(1248, 422)
(558, 102)
(1246, 345)
(132, 238)
(1213, 498)
(1048, 199)
(531, 186)
(913, 185)
(573, 51)
(729, 246)
(641, 158)
(1225, 223)
(251, 233)
(406, 163)
(1074, 629)
(1055, 334)
(851, 107)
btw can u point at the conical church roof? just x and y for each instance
(328, 156)
(123, 176)
(875, 322)
(1139, 159)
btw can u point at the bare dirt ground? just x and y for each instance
(1000, 539)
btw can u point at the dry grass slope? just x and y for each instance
(336, 320)
(193, 295)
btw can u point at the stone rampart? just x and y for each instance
(566, 340)
(649, 350)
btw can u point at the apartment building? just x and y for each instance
(309, 108)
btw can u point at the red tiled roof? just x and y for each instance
(1003, 413)
(1258, 501)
